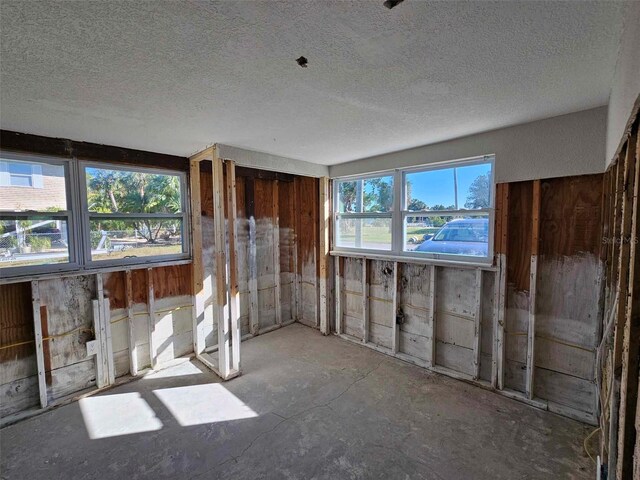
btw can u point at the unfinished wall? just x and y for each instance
(157, 302)
(277, 244)
(528, 327)
(18, 368)
(162, 294)
(619, 350)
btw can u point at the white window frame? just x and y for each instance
(87, 216)
(362, 215)
(78, 225)
(399, 213)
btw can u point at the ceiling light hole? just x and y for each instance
(392, 3)
(302, 61)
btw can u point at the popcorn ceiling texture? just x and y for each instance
(175, 77)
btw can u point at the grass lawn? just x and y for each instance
(139, 252)
(383, 234)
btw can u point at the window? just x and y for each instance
(364, 213)
(120, 216)
(443, 212)
(36, 224)
(131, 214)
(20, 174)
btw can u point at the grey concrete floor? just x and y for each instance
(306, 407)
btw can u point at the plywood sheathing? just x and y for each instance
(18, 368)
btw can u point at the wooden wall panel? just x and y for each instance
(139, 283)
(571, 213)
(206, 191)
(307, 234)
(115, 289)
(519, 235)
(172, 281)
(16, 321)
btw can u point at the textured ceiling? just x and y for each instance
(174, 77)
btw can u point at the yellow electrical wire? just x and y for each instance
(50, 337)
(586, 440)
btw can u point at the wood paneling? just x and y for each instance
(16, 321)
(571, 215)
(519, 235)
(115, 289)
(172, 281)
(139, 283)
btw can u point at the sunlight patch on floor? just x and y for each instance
(207, 403)
(120, 414)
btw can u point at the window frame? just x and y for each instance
(87, 216)
(77, 217)
(69, 215)
(362, 215)
(399, 213)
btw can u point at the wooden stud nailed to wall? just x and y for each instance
(100, 374)
(431, 319)
(629, 313)
(197, 266)
(133, 351)
(323, 259)
(395, 328)
(153, 355)
(276, 253)
(477, 325)
(338, 296)
(219, 294)
(234, 294)
(365, 302)
(37, 327)
(533, 279)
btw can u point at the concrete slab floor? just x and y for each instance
(307, 406)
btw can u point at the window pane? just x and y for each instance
(33, 242)
(451, 188)
(371, 195)
(20, 180)
(474, 186)
(378, 194)
(19, 168)
(35, 186)
(369, 233)
(348, 197)
(117, 238)
(448, 235)
(111, 191)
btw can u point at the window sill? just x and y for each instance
(93, 270)
(488, 265)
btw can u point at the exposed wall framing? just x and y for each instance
(619, 349)
(256, 265)
(527, 327)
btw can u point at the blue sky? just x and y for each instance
(436, 186)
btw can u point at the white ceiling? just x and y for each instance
(176, 76)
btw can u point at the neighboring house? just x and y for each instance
(30, 186)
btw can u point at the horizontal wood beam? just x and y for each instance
(248, 172)
(62, 147)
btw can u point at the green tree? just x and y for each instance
(347, 195)
(378, 195)
(416, 205)
(135, 192)
(479, 189)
